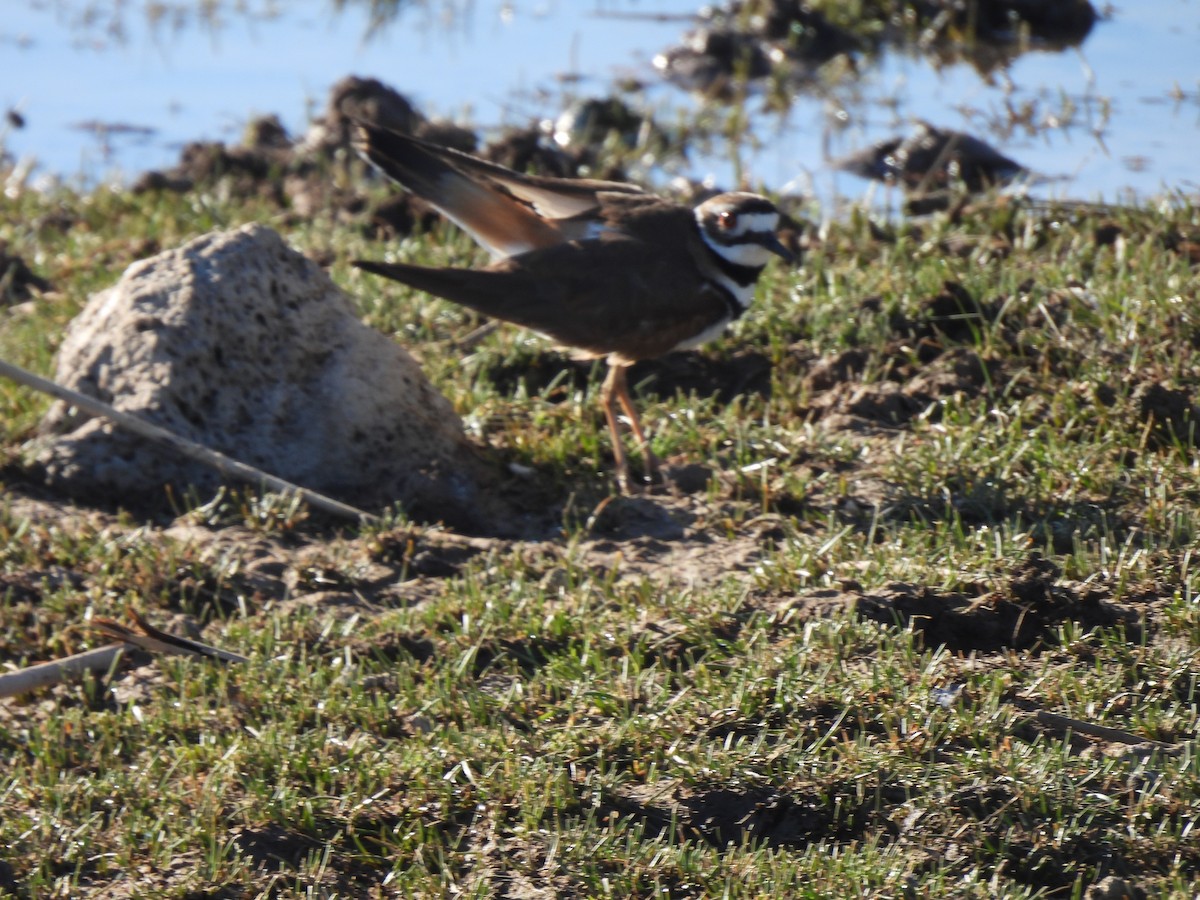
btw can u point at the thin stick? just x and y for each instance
(144, 637)
(1116, 735)
(45, 674)
(1079, 726)
(469, 340)
(224, 464)
(155, 640)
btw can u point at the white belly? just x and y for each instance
(703, 337)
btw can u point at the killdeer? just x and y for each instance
(598, 266)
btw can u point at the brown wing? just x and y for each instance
(505, 212)
(614, 295)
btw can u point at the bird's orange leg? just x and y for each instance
(649, 460)
(616, 387)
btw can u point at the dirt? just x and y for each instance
(557, 377)
(676, 532)
(1023, 616)
(675, 537)
(695, 530)
(672, 538)
(18, 282)
(722, 814)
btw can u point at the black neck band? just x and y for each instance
(735, 309)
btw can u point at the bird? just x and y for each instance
(604, 268)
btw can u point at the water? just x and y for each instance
(1118, 119)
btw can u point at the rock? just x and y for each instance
(239, 343)
(712, 61)
(933, 158)
(266, 133)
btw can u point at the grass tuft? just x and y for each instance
(942, 477)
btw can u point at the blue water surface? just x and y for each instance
(1116, 119)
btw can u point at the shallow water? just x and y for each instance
(1118, 118)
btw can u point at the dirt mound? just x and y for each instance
(1024, 614)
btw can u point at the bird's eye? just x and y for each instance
(726, 220)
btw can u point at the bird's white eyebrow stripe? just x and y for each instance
(757, 222)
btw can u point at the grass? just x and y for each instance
(950, 493)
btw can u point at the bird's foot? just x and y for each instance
(650, 477)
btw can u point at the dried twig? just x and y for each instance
(1064, 724)
(1079, 726)
(45, 674)
(224, 464)
(142, 635)
(153, 639)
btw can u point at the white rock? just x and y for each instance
(239, 343)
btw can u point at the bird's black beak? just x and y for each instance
(772, 243)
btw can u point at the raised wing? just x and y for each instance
(505, 212)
